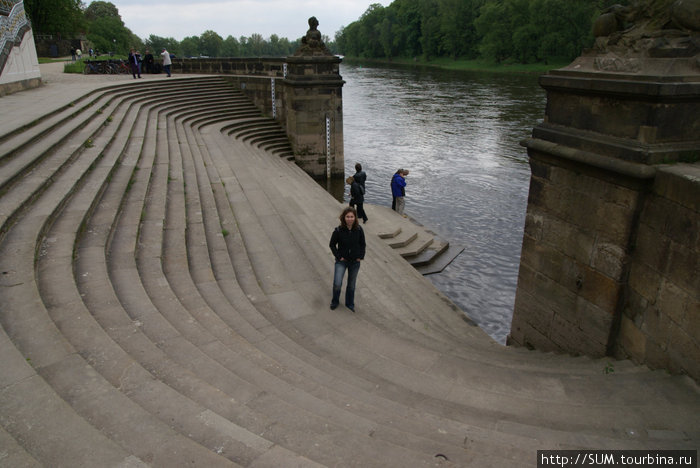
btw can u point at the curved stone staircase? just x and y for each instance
(164, 286)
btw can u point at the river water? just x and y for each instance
(458, 134)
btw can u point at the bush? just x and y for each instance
(74, 67)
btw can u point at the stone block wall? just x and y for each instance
(660, 324)
(609, 263)
(576, 238)
(259, 90)
(257, 66)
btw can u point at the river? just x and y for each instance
(458, 134)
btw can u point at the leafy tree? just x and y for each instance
(55, 16)
(408, 28)
(255, 46)
(459, 36)
(156, 44)
(231, 47)
(430, 29)
(210, 44)
(100, 9)
(189, 46)
(109, 35)
(495, 26)
(106, 30)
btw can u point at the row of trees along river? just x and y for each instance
(502, 31)
(102, 25)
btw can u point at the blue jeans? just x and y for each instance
(353, 268)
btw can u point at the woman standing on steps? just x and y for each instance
(348, 247)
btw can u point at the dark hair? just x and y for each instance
(358, 167)
(348, 209)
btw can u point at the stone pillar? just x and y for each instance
(612, 120)
(313, 100)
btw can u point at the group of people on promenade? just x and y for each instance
(147, 62)
(348, 239)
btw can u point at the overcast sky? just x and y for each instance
(286, 18)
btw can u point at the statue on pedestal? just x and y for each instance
(312, 44)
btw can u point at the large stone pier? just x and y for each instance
(610, 260)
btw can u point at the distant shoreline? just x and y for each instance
(463, 64)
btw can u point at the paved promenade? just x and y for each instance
(164, 287)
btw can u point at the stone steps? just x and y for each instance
(181, 288)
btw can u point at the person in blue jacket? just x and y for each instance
(398, 191)
(348, 247)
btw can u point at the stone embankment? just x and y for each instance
(164, 286)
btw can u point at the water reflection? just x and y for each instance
(458, 133)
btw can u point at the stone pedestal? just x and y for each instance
(314, 114)
(585, 285)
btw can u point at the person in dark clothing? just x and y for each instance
(360, 176)
(148, 61)
(348, 247)
(134, 62)
(357, 198)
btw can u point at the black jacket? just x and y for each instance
(357, 193)
(360, 177)
(348, 243)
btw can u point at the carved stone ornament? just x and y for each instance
(312, 44)
(646, 29)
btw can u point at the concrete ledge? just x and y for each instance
(17, 86)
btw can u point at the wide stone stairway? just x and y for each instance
(165, 279)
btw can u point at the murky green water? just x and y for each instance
(458, 133)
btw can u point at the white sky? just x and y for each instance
(286, 18)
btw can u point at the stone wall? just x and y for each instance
(577, 232)
(661, 320)
(609, 263)
(304, 94)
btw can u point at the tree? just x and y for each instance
(156, 44)
(494, 25)
(109, 35)
(231, 47)
(100, 9)
(430, 29)
(459, 36)
(107, 31)
(210, 44)
(55, 16)
(189, 46)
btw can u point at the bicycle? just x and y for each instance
(91, 68)
(121, 67)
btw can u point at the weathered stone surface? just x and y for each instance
(609, 220)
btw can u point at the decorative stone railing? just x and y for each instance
(13, 24)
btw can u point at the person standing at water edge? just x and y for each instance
(360, 176)
(357, 197)
(348, 247)
(166, 61)
(398, 190)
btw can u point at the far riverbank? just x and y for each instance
(463, 64)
